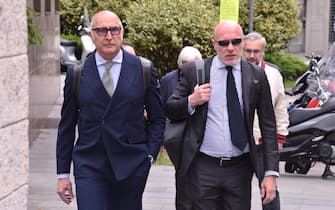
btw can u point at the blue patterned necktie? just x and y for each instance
(237, 127)
(107, 79)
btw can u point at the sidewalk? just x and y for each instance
(298, 192)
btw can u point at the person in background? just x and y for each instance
(254, 47)
(170, 80)
(128, 47)
(168, 84)
(115, 149)
(219, 152)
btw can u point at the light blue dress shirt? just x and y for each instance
(217, 140)
(116, 67)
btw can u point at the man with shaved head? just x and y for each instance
(116, 147)
(219, 151)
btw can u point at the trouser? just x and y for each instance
(219, 185)
(106, 194)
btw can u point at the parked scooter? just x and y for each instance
(68, 48)
(311, 136)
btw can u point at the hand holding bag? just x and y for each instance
(174, 131)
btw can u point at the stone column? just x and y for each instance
(317, 27)
(14, 146)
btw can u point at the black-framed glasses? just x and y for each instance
(225, 43)
(249, 51)
(104, 30)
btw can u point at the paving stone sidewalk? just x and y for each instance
(298, 192)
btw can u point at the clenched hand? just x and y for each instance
(200, 95)
(268, 189)
(64, 190)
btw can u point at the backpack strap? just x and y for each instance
(78, 68)
(146, 72)
(200, 71)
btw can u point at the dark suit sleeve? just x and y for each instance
(66, 127)
(164, 89)
(177, 104)
(156, 117)
(267, 124)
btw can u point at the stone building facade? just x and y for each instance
(14, 103)
(44, 69)
(317, 29)
(29, 88)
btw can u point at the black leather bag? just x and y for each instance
(175, 131)
(173, 140)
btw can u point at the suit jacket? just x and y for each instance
(168, 84)
(256, 95)
(112, 131)
(279, 102)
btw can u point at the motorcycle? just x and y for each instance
(311, 135)
(68, 48)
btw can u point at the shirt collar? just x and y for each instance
(101, 61)
(221, 65)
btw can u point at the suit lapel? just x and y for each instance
(130, 75)
(246, 88)
(92, 81)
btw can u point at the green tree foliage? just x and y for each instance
(291, 65)
(159, 29)
(276, 20)
(35, 35)
(73, 9)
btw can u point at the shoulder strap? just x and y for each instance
(146, 72)
(76, 79)
(200, 71)
(78, 68)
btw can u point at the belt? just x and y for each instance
(225, 161)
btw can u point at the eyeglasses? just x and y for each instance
(104, 30)
(225, 43)
(250, 51)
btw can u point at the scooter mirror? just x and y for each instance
(82, 18)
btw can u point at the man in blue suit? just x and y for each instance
(115, 148)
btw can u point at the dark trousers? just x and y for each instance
(211, 186)
(182, 201)
(108, 194)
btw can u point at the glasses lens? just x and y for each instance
(236, 41)
(101, 31)
(115, 30)
(224, 43)
(249, 51)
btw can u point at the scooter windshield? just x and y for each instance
(322, 80)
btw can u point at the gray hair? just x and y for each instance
(188, 54)
(252, 36)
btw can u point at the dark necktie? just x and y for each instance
(236, 122)
(107, 80)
